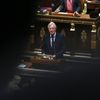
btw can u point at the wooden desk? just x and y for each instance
(85, 38)
(83, 19)
(54, 68)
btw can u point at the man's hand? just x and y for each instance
(76, 14)
(54, 56)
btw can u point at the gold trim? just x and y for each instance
(72, 27)
(42, 33)
(94, 28)
(83, 36)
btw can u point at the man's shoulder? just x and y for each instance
(60, 35)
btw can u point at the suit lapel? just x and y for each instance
(49, 41)
(56, 37)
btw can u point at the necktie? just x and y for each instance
(69, 6)
(53, 44)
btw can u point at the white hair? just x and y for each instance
(51, 24)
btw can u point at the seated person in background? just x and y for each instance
(53, 43)
(70, 6)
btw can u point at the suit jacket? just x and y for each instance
(76, 5)
(59, 45)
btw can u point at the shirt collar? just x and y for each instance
(53, 34)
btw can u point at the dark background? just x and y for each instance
(80, 82)
(15, 19)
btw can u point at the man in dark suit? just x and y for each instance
(71, 6)
(53, 43)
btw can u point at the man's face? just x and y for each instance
(52, 30)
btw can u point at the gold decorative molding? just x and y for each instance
(83, 36)
(67, 19)
(63, 32)
(93, 37)
(72, 27)
(93, 28)
(42, 33)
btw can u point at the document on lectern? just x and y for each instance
(63, 13)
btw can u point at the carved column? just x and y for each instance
(93, 37)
